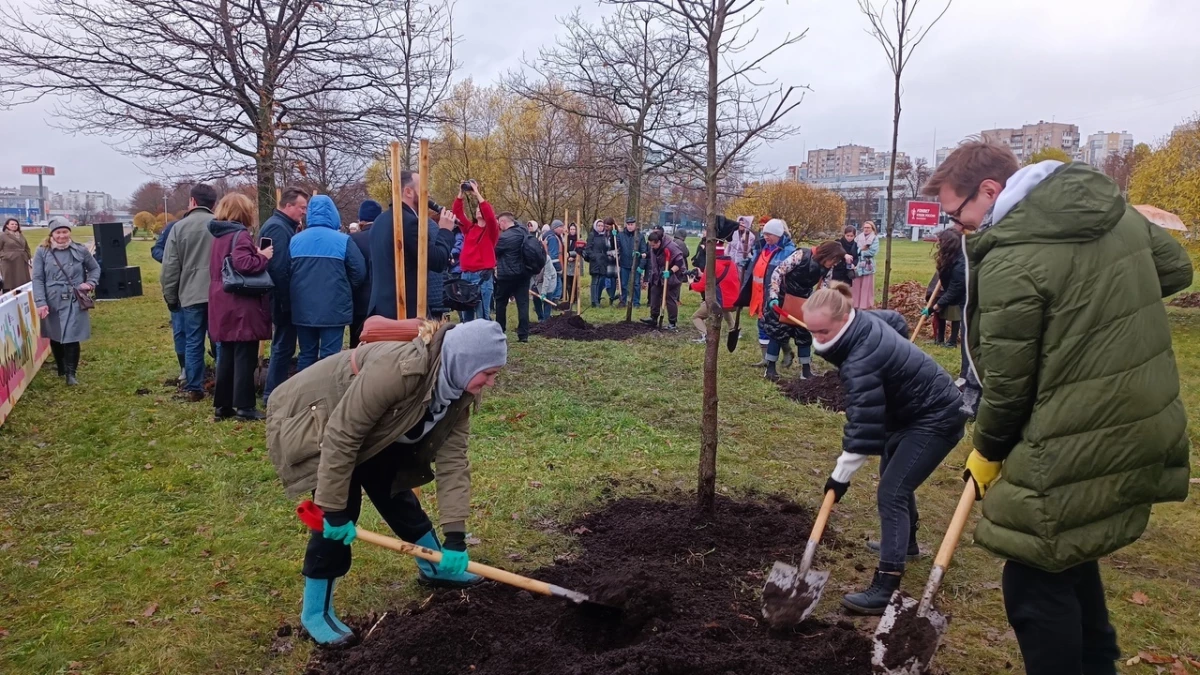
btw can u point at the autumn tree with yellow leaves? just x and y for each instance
(1169, 177)
(810, 211)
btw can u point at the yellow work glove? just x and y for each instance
(983, 470)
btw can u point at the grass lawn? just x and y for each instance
(137, 536)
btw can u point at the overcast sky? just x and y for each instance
(1106, 65)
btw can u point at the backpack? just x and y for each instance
(533, 256)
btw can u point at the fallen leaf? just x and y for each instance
(1194, 481)
(1178, 668)
(75, 665)
(205, 553)
(1150, 657)
(195, 610)
(581, 530)
(3, 633)
(148, 466)
(150, 610)
(1193, 662)
(535, 483)
(90, 533)
(515, 556)
(275, 594)
(218, 584)
(516, 516)
(34, 563)
(472, 540)
(1140, 598)
(654, 472)
(166, 541)
(131, 622)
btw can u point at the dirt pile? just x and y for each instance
(908, 298)
(690, 590)
(574, 327)
(1187, 300)
(912, 637)
(824, 390)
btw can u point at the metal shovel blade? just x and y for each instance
(905, 642)
(731, 341)
(789, 596)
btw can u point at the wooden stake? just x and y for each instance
(423, 230)
(398, 231)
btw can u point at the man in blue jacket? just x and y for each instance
(326, 268)
(280, 228)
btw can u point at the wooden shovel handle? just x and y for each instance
(485, 571)
(921, 322)
(954, 532)
(823, 516)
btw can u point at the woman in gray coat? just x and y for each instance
(59, 267)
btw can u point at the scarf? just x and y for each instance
(863, 242)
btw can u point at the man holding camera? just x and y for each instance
(478, 257)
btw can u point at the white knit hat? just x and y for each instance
(776, 227)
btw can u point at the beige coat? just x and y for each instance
(15, 260)
(325, 421)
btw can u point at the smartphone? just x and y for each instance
(265, 243)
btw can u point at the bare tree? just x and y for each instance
(632, 73)
(734, 112)
(860, 204)
(892, 24)
(210, 83)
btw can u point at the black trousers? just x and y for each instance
(656, 299)
(1060, 620)
(234, 387)
(356, 330)
(513, 288)
(329, 559)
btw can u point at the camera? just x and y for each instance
(466, 186)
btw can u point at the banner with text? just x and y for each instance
(22, 349)
(924, 214)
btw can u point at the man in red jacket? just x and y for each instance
(728, 288)
(478, 257)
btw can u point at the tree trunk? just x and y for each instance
(264, 162)
(633, 176)
(891, 193)
(707, 480)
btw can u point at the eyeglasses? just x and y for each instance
(956, 213)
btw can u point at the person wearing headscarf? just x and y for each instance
(60, 268)
(374, 419)
(863, 285)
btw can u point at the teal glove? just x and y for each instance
(773, 303)
(926, 312)
(666, 274)
(641, 270)
(453, 562)
(344, 533)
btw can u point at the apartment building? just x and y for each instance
(1031, 138)
(1100, 146)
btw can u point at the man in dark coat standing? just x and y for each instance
(666, 266)
(512, 274)
(280, 228)
(383, 255)
(368, 211)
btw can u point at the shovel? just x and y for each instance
(312, 516)
(929, 305)
(910, 631)
(788, 318)
(735, 333)
(792, 593)
(662, 314)
(560, 306)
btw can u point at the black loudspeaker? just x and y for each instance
(119, 282)
(110, 245)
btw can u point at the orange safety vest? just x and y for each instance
(758, 290)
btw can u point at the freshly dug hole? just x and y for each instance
(574, 327)
(690, 589)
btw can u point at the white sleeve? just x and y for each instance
(847, 464)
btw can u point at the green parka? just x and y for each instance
(1067, 330)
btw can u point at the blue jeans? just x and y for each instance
(195, 329)
(804, 352)
(611, 285)
(317, 343)
(283, 348)
(909, 457)
(484, 309)
(178, 335)
(635, 287)
(544, 310)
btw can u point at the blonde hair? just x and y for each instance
(237, 208)
(837, 300)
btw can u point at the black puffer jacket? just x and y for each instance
(596, 254)
(890, 384)
(509, 262)
(954, 284)
(799, 282)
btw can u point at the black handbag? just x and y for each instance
(233, 281)
(461, 296)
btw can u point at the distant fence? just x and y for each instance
(22, 349)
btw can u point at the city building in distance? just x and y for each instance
(1100, 146)
(1029, 139)
(846, 160)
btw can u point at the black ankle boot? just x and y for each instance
(60, 359)
(772, 374)
(71, 356)
(877, 596)
(806, 370)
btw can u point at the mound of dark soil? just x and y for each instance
(574, 327)
(1187, 300)
(690, 591)
(824, 390)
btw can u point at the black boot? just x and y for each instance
(806, 370)
(788, 356)
(71, 353)
(60, 360)
(877, 596)
(771, 374)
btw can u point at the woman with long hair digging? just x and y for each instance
(901, 406)
(373, 419)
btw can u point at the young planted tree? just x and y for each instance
(893, 24)
(632, 72)
(212, 84)
(734, 112)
